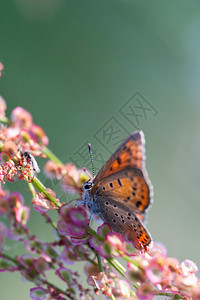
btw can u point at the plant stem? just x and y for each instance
(99, 262)
(170, 295)
(51, 155)
(32, 190)
(55, 287)
(102, 270)
(127, 258)
(112, 297)
(10, 258)
(116, 265)
(40, 187)
(95, 234)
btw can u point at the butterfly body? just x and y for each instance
(121, 192)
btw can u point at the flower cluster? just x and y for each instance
(12, 206)
(20, 141)
(109, 244)
(44, 256)
(157, 273)
(152, 273)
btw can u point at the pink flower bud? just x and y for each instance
(124, 288)
(145, 291)
(21, 118)
(42, 203)
(2, 105)
(188, 267)
(21, 213)
(39, 135)
(8, 150)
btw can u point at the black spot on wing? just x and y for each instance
(119, 182)
(119, 160)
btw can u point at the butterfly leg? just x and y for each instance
(79, 203)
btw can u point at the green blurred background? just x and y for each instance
(74, 64)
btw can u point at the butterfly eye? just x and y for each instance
(87, 186)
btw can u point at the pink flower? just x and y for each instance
(158, 248)
(73, 179)
(43, 204)
(124, 288)
(187, 285)
(2, 103)
(101, 282)
(8, 151)
(145, 291)
(25, 136)
(135, 271)
(15, 198)
(1, 66)
(4, 201)
(113, 245)
(157, 270)
(62, 228)
(78, 216)
(110, 243)
(39, 135)
(21, 118)
(73, 221)
(22, 213)
(53, 170)
(188, 267)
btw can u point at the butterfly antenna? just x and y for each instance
(87, 172)
(90, 151)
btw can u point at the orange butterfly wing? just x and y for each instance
(124, 177)
(128, 187)
(122, 220)
(131, 153)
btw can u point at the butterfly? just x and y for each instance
(121, 192)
